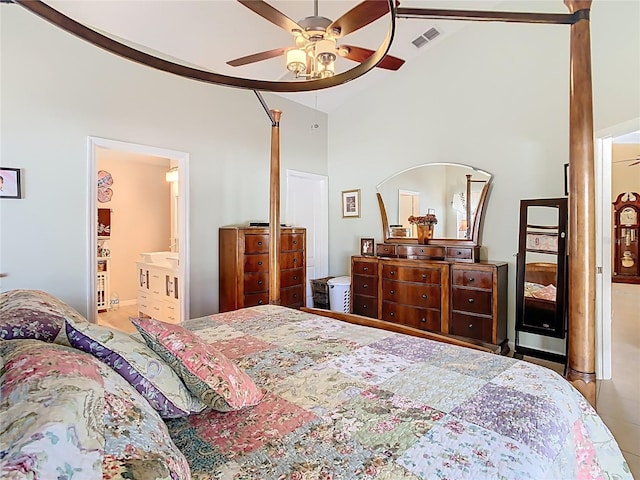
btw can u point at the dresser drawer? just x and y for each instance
(460, 253)
(422, 318)
(365, 268)
(253, 299)
(291, 260)
(256, 282)
(256, 263)
(411, 274)
(411, 294)
(290, 278)
(292, 296)
(472, 278)
(365, 285)
(384, 250)
(256, 243)
(476, 301)
(291, 241)
(470, 326)
(421, 251)
(364, 305)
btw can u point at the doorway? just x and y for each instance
(308, 206)
(134, 159)
(605, 140)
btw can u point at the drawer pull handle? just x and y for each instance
(260, 302)
(365, 269)
(295, 295)
(392, 272)
(259, 282)
(366, 285)
(364, 307)
(471, 300)
(471, 325)
(295, 242)
(392, 314)
(260, 262)
(295, 260)
(423, 320)
(424, 295)
(424, 275)
(295, 277)
(458, 252)
(471, 279)
(260, 243)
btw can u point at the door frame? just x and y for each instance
(181, 160)
(603, 174)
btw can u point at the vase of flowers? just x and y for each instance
(425, 224)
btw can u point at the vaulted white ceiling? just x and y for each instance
(208, 33)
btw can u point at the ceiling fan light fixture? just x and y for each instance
(296, 60)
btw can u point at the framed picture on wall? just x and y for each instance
(351, 203)
(367, 246)
(566, 179)
(10, 186)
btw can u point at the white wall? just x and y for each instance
(494, 96)
(57, 90)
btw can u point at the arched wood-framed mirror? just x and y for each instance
(440, 188)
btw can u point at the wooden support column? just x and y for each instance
(582, 211)
(274, 211)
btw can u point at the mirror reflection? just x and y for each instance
(441, 189)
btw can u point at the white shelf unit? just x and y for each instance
(102, 294)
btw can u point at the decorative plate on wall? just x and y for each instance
(105, 180)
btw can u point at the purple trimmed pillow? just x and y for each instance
(139, 365)
(34, 314)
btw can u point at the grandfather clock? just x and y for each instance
(626, 215)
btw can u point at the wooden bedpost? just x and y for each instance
(582, 211)
(274, 211)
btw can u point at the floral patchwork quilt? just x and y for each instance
(351, 402)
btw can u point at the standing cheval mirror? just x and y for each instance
(541, 278)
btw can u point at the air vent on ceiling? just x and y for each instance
(426, 37)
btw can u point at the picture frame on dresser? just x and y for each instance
(367, 247)
(351, 203)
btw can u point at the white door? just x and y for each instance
(308, 206)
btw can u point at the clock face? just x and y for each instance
(628, 216)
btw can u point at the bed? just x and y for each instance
(350, 401)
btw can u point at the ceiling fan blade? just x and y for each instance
(270, 13)
(257, 57)
(359, 16)
(359, 54)
(634, 163)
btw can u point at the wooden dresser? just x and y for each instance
(456, 298)
(244, 267)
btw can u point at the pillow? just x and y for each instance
(138, 364)
(211, 376)
(34, 314)
(68, 415)
(52, 421)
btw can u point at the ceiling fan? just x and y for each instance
(316, 49)
(635, 161)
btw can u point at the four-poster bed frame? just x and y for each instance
(581, 354)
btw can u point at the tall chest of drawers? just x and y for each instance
(456, 298)
(244, 267)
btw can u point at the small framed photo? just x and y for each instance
(10, 186)
(351, 203)
(367, 246)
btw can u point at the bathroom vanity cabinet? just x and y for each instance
(158, 292)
